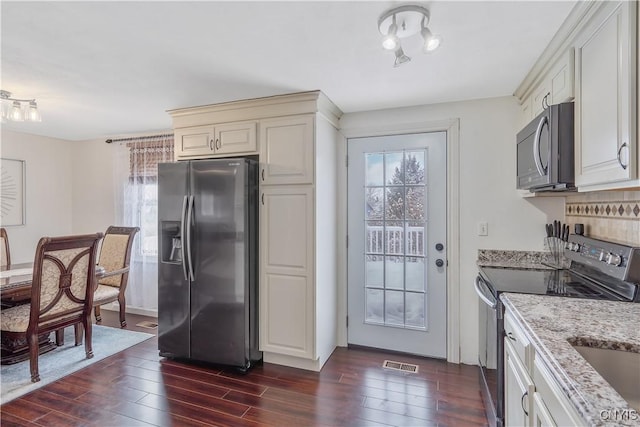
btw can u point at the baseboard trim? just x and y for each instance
(133, 310)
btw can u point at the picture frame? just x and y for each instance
(12, 192)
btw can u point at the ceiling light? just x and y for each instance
(19, 110)
(404, 22)
(401, 58)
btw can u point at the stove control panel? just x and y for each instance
(614, 259)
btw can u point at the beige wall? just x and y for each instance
(49, 190)
(607, 215)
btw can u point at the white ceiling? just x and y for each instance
(101, 69)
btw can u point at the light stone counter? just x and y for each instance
(553, 322)
(513, 259)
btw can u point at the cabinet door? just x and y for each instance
(605, 123)
(541, 415)
(194, 141)
(518, 390)
(561, 78)
(232, 138)
(540, 99)
(287, 150)
(286, 271)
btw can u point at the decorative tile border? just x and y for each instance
(628, 209)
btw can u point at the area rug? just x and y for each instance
(15, 380)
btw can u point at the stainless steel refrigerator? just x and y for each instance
(208, 261)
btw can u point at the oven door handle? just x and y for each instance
(483, 297)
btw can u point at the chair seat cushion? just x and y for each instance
(16, 319)
(105, 293)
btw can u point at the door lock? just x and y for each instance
(439, 262)
(439, 246)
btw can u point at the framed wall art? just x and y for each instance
(12, 192)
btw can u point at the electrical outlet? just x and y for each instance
(483, 228)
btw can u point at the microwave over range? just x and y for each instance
(545, 151)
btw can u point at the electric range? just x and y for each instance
(598, 270)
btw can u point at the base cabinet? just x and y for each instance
(518, 391)
(532, 396)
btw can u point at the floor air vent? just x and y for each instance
(147, 324)
(399, 366)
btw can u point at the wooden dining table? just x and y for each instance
(15, 289)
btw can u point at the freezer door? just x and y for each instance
(173, 283)
(219, 297)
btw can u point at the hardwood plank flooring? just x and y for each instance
(137, 387)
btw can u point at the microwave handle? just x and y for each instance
(483, 297)
(536, 147)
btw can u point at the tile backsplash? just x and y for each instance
(607, 215)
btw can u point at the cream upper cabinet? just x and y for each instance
(194, 141)
(556, 87)
(236, 138)
(287, 150)
(605, 113)
(212, 141)
(287, 308)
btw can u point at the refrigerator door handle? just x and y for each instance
(189, 226)
(182, 238)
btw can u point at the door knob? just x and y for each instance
(439, 262)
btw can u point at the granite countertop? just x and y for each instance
(513, 259)
(553, 322)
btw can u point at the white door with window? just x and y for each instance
(397, 228)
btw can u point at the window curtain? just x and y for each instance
(137, 205)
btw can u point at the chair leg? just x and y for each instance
(96, 310)
(121, 301)
(77, 328)
(60, 337)
(88, 349)
(34, 350)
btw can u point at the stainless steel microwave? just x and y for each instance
(545, 151)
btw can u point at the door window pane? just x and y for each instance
(394, 237)
(394, 168)
(374, 271)
(414, 167)
(394, 308)
(374, 202)
(374, 237)
(394, 272)
(415, 274)
(394, 203)
(415, 310)
(416, 236)
(375, 306)
(416, 203)
(374, 174)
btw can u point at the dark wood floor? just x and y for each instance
(138, 388)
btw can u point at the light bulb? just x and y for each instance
(431, 42)
(33, 114)
(401, 58)
(391, 41)
(16, 113)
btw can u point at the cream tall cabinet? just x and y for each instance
(295, 139)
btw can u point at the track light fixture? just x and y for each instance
(19, 110)
(406, 21)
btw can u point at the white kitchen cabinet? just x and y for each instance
(195, 141)
(605, 113)
(287, 309)
(532, 396)
(518, 389)
(540, 415)
(556, 86)
(212, 141)
(287, 150)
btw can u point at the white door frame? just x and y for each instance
(452, 128)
